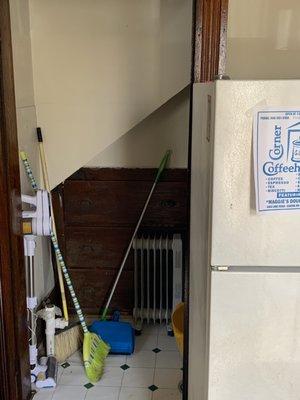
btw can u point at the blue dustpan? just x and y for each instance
(119, 335)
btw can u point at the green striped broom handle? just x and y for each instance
(56, 249)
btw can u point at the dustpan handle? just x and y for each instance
(161, 167)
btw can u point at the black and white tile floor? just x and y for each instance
(151, 373)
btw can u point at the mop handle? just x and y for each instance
(57, 250)
(47, 185)
(159, 172)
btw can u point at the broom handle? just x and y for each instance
(47, 185)
(161, 167)
(68, 282)
(57, 251)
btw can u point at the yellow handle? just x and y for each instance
(47, 186)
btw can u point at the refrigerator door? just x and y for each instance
(254, 336)
(240, 237)
(203, 108)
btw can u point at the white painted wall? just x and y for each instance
(263, 39)
(26, 122)
(100, 67)
(88, 72)
(144, 145)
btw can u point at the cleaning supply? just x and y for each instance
(95, 349)
(178, 325)
(67, 341)
(29, 247)
(70, 339)
(37, 222)
(161, 167)
(120, 335)
(47, 187)
(47, 379)
(178, 328)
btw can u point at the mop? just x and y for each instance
(95, 349)
(120, 335)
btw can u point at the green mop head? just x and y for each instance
(95, 350)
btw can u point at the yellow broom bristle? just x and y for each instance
(67, 342)
(95, 350)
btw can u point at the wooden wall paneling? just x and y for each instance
(120, 203)
(96, 247)
(93, 286)
(128, 174)
(99, 211)
(14, 366)
(58, 206)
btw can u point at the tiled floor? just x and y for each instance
(151, 373)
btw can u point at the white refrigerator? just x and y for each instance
(244, 333)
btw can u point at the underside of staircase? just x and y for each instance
(100, 68)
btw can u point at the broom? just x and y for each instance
(47, 187)
(95, 349)
(66, 341)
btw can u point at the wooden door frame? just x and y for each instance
(209, 38)
(14, 366)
